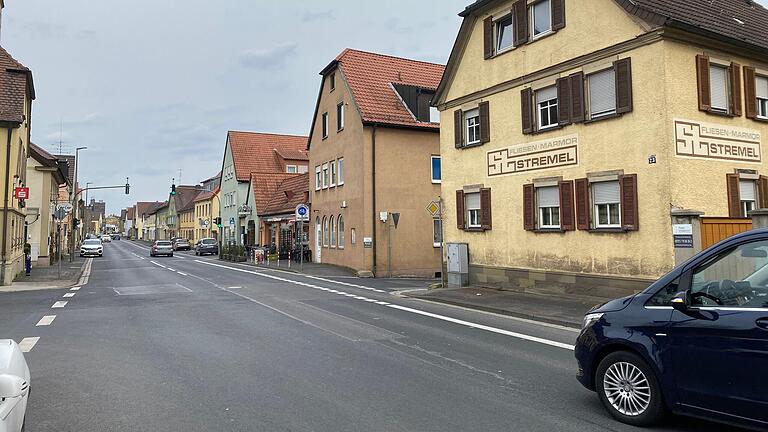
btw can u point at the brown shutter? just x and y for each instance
(734, 198)
(526, 110)
(762, 192)
(628, 191)
(520, 12)
(458, 128)
(582, 203)
(485, 208)
(529, 207)
(750, 93)
(702, 80)
(735, 80)
(488, 37)
(485, 122)
(564, 101)
(623, 69)
(577, 97)
(460, 224)
(567, 219)
(558, 14)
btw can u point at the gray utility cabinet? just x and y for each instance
(458, 264)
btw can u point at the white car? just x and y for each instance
(14, 387)
(91, 247)
(106, 238)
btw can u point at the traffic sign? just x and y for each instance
(59, 214)
(434, 208)
(302, 213)
(65, 206)
(232, 223)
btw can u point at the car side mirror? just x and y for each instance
(11, 386)
(681, 301)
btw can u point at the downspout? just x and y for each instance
(5, 206)
(373, 194)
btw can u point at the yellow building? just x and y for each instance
(16, 101)
(572, 151)
(45, 176)
(206, 211)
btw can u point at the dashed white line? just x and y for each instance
(76, 288)
(183, 274)
(46, 320)
(27, 344)
(59, 304)
(158, 264)
(69, 295)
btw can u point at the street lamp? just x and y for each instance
(86, 192)
(74, 203)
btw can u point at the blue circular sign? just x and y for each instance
(302, 210)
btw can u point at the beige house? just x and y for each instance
(592, 158)
(206, 212)
(44, 177)
(374, 157)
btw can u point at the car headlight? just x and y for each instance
(590, 319)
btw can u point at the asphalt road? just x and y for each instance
(195, 344)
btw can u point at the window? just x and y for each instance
(341, 231)
(325, 232)
(340, 169)
(546, 107)
(736, 278)
(318, 178)
(718, 87)
(291, 169)
(325, 125)
(607, 204)
(340, 116)
(504, 35)
(333, 232)
(472, 204)
(436, 169)
(333, 173)
(747, 196)
(761, 89)
(437, 232)
(332, 81)
(541, 17)
(434, 115)
(549, 207)
(602, 93)
(472, 121)
(325, 176)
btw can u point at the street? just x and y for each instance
(197, 344)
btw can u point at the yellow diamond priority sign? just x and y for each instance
(433, 208)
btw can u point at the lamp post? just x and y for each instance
(74, 203)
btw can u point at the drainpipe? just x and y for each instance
(373, 194)
(5, 206)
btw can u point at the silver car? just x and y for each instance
(14, 387)
(161, 247)
(92, 247)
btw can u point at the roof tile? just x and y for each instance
(258, 152)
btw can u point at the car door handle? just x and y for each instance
(762, 323)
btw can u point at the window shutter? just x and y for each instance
(750, 93)
(485, 208)
(702, 75)
(458, 128)
(734, 197)
(520, 11)
(567, 219)
(564, 101)
(582, 203)
(488, 37)
(577, 97)
(762, 192)
(629, 213)
(460, 224)
(529, 207)
(485, 122)
(623, 75)
(735, 81)
(526, 110)
(558, 14)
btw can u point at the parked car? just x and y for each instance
(106, 238)
(695, 342)
(181, 244)
(115, 236)
(161, 247)
(14, 386)
(207, 246)
(92, 247)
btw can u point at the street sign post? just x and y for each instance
(65, 206)
(302, 215)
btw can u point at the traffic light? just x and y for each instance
(127, 187)
(173, 189)
(217, 221)
(75, 223)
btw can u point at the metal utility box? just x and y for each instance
(458, 264)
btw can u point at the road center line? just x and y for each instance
(69, 295)
(77, 288)
(46, 320)
(27, 344)
(59, 304)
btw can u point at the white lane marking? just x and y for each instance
(170, 269)
(77, 288)
(343, 283)
(59, 304)
(183, 274)
(234, 287)
(27, 344)
(158, 264)
(69, 295)
(416, 311)
(46, 320)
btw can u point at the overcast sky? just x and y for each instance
(151, 87)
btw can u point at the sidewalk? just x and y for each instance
(310, 268)
(48, 277)
(556, 309)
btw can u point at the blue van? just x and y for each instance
(694, 343)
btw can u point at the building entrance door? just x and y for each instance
(714, 229)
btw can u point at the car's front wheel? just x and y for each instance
(628, 389)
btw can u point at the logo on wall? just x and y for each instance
(540, 155)
(713, 141)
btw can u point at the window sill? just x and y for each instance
(540, 36)
(761, 119)
(547, 129)
(719, 113)
(437, 181)
(325, 137)
(601, 118)
(437, 245)
(474, 229)
(467, 146)
(548, 230)
(504, 51)
(340, 130)
(612, 230)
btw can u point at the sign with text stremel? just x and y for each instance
(702, 140)
(540, 155)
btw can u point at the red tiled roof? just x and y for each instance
(42, 156)
(264, 185)
(185, 197)
(129, 213)
(15, 85)
(257, 152)
(146, 208)
(206, 195)
(370, 77)
(289, 193)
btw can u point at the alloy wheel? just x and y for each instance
(627, 389)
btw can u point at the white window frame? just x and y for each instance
(600, 114)
(748, 205)
(333, 173)
(432, 169)
(340, 109)
(540, 108)
(532, 19)
(340, 169)
(548, 209)
(340, 232)
(437, 232)
(473, 114)
(332, 228)
(473, 214)
(318, 177)
(498, 49)
(596, 208)
(726, 84)
(291, 169)
(325, 125)
(325, 175)
(326, 234)
(762, 103)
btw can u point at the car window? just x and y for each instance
(665, 295)
(737, 277)
(92, 242)
(208, 241)
(163, 243)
